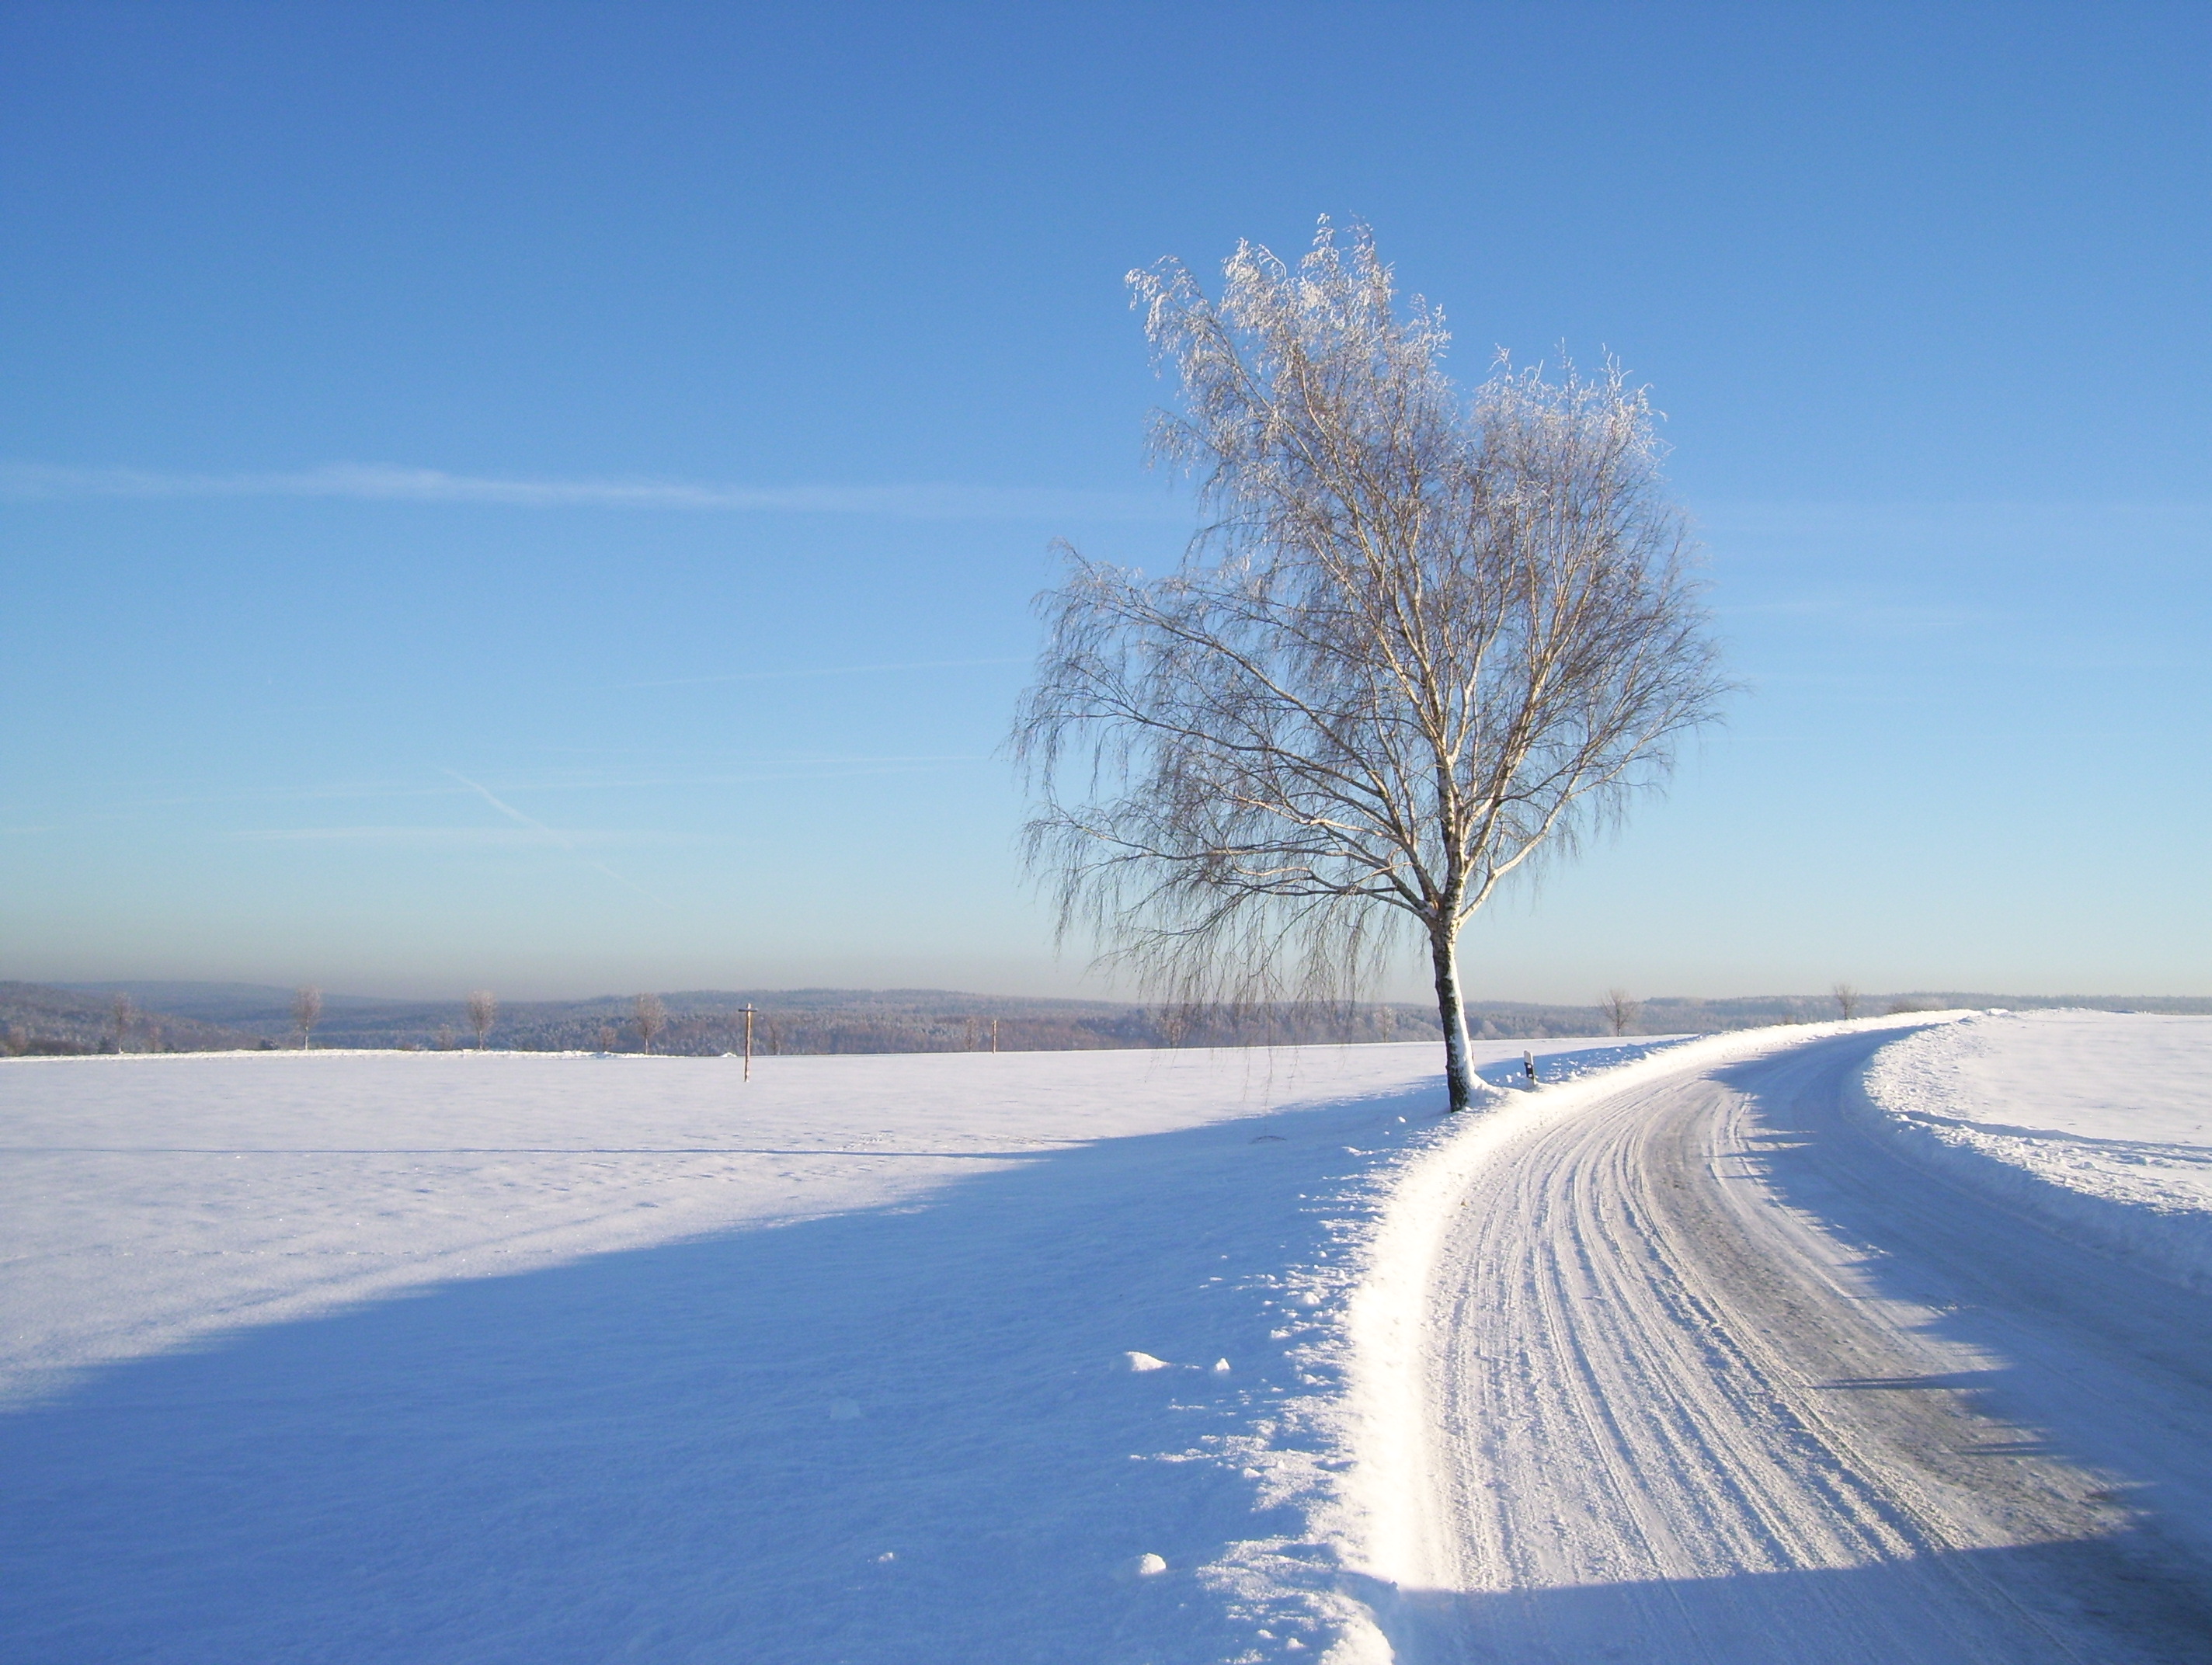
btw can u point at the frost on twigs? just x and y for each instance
(1144, 1361)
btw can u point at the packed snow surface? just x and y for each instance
(363, 1357)
(1690, 1362)
(2099, 1122)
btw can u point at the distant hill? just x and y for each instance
(205, 1016)
(37, 1018)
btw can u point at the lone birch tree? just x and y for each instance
(1620, 1009)
(484, 1013)
(306, 1011)
(651, 1019)
(1422, 633)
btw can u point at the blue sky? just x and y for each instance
(550, 496)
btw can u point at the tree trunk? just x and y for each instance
(1459, 1068)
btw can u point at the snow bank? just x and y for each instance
(2097, 1123)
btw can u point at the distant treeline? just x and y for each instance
(179, 1017)
(706, 1024)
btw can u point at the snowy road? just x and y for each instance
(1710, 1376)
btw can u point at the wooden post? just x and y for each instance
(749, 1041)
(994, 1037)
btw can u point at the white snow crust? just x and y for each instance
(2099, 1123)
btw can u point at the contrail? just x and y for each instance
(515, 814)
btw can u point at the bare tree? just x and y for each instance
(1423, 633)
(484, 1013)
(1619, 1010)
(651, 1017)
(123, 1013)
(1847, 1000)
(306, 1011)
(607, 1037)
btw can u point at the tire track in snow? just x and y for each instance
(1701, 1374)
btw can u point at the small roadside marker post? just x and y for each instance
(749, 1041)
(994, 1037)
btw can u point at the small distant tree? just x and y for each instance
(607, 1037)
(444, 1041)
(1847, 1000)
(1619, 1010)
(307, 1012)
(123, 1012)
(651, 1019)
(484, 1013)
(18, 1040)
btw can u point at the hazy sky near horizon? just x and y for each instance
(550, 496)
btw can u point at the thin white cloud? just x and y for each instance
(381, 482)
(820, 671)
(740, 772)
(2005, 518)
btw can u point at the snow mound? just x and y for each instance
(2097, 1123)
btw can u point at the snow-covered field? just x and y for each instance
(2099, 1122)
(1704, 1352)
(434, 1356)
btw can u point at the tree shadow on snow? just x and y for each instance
(1956, 1608)
(905, 1434)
